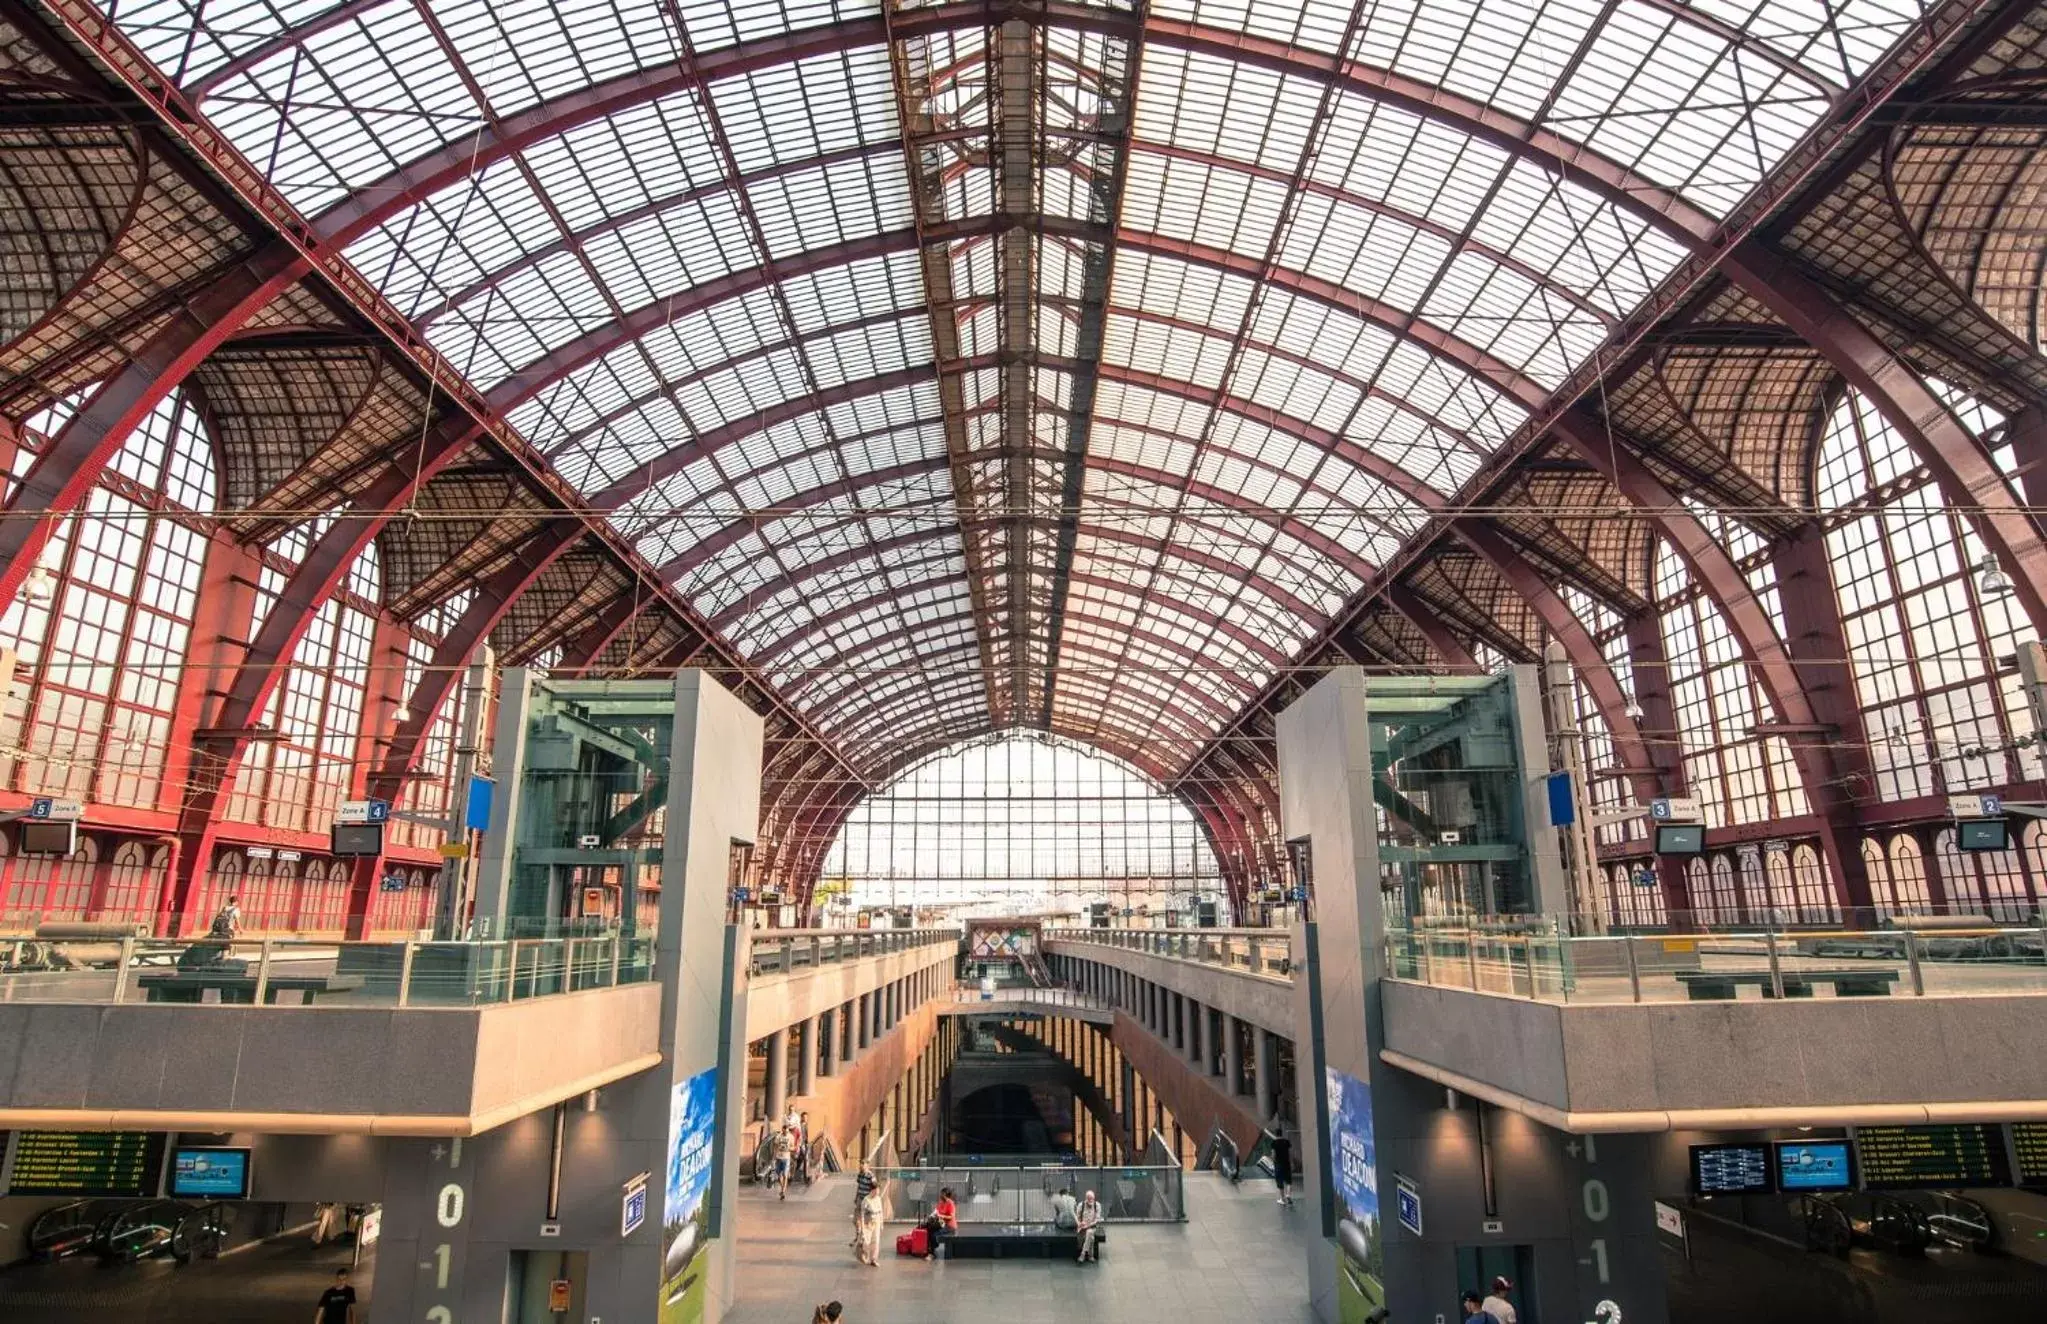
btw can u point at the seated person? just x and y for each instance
(1089, 1220)
(1065, 1211)
(943, 1223)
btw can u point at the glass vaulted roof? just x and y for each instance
(1069, 369)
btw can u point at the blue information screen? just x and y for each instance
(209, 1173)
(1814, 1165)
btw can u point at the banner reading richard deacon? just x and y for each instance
(692, 1131)
(1354, 1181)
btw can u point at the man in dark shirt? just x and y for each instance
(337, 1303)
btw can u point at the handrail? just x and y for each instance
(783, 951)
(287, 972)
(1261, 953)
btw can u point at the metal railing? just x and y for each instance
(1267, 953)
(780, 951)
(1043, 997)
(1540, 961)
(287, 971)
(993, 1195)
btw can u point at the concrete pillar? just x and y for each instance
(1179, 1022)
(842, 1033)
(777, 1075)
(1262, 1073)
(1233, 1056)
(1197, 1034)
(806, 1057)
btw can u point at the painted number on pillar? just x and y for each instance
(1598, 1204)
(451, 1201)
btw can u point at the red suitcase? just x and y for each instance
(920, 1240)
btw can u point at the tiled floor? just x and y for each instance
(1238, 1257)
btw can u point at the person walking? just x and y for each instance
(227, 921)
(867, 1230)
(1498, 1305)
(1283, 1164)
(783, 1149)
(1088, 1221)
(864, 1184)
(337, 1303)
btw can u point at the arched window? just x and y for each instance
(1905, 892)
(299, 778)
(48, 887)
(1736, 776)
(1699, 890)
(323, 907)
(133, 880)
(102, 649)
(1922, 637)
(1814, 890)
(1982, 882)
(223, 881)
(1726, 905)
(1022, 824)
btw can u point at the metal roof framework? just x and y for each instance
(1067, 365)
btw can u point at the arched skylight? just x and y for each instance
(1022, 825)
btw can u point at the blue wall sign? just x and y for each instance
(1407, 1203)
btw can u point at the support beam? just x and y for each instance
(70, 466)
(1812, 744)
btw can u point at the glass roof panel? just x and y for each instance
(1226, 514)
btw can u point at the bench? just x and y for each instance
(1722, 985)
(997, 1241)
(239, 986)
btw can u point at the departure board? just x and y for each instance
(2029, 1147)
(86, 1163)
(1901, 1158)
(1731, 1170)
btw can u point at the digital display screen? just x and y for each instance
(1981, 834)
(2029, 1147)
(1731, 1170)
(89, 1163)
(357, 838)
(1681, 839)
(1814, 1165)
(1902, 1158)
(40, 837)
(206, 1173)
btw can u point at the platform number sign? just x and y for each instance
(1407, 1203)
(448, 1194)
(634, 1209)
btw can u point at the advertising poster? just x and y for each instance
(692, 1137)
(1354, 1183)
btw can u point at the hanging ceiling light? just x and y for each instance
(1992, 583)
(1633, 709)
(40, 586)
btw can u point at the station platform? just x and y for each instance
(1238, 1256)
(273, 1282)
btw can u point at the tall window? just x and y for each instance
(103, 650)
(1606, 786)
(1023, 825)
(297, 779)
(1922, 636)
(1736, 774)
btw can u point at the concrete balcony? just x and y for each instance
(319, 1069)
(796, 974)
(1245, 973)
